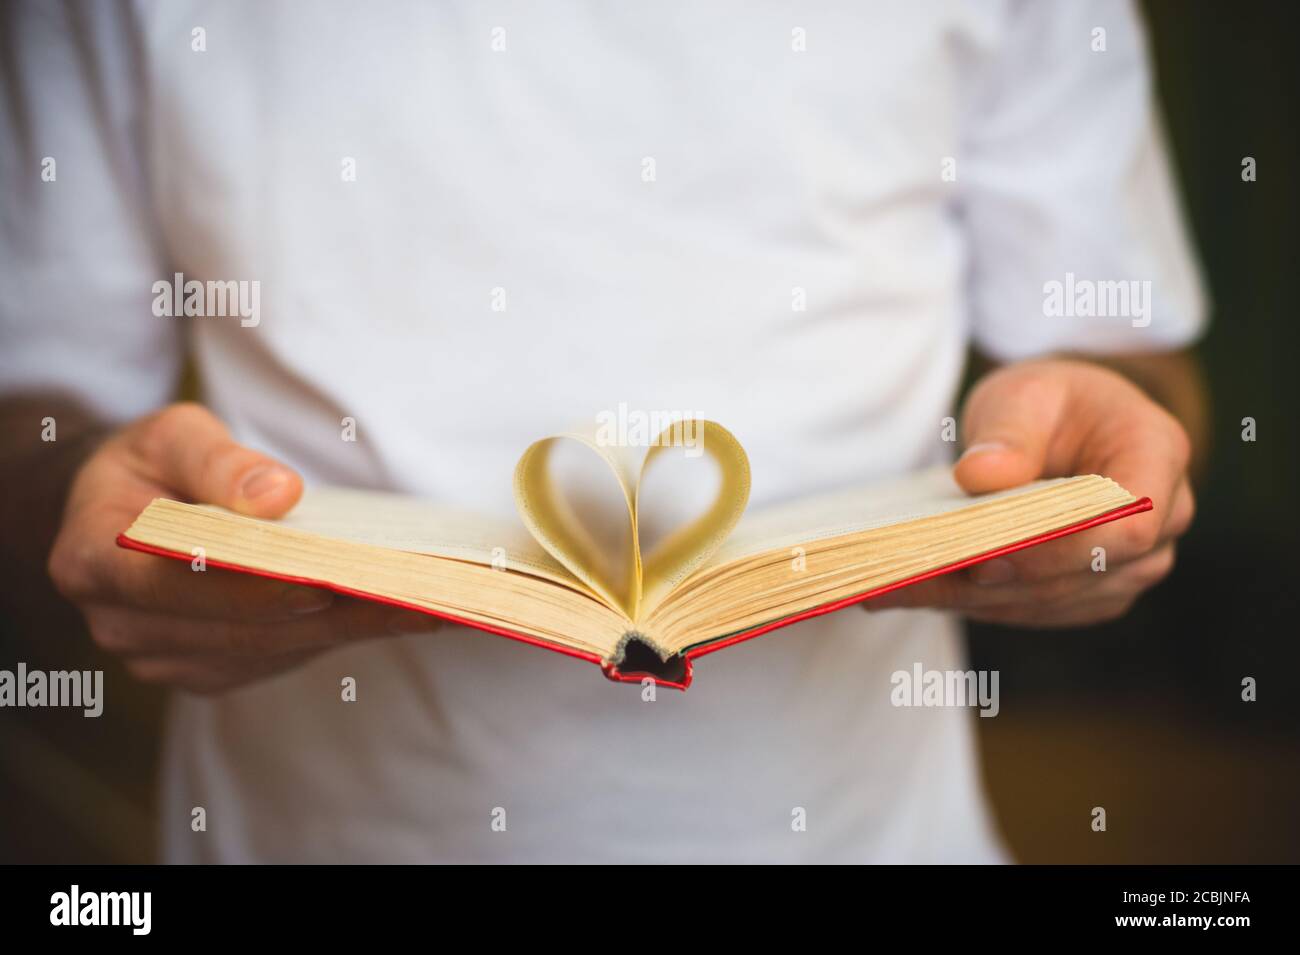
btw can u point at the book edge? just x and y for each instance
(123, 540)
(1135, 507)
(610, 670)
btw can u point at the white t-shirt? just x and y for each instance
(652, 191)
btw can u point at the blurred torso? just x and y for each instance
(679, 211)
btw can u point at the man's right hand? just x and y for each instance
(210, 631)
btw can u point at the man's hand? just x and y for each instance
(206, 631)
(1054, 418)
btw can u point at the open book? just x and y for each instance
(559, 579)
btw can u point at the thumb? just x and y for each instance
(1009, 422)
(187, 448)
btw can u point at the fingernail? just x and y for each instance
(996, 571)
(984, 447)
(409, 621)
(308, 599)
(263, 480)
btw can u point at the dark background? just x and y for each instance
(1143, 717)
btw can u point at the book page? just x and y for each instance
(635, 581)
(892, 501)
(409, 524)
(690, 546)
(559, 528)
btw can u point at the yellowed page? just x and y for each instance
(409, 524)
(773, 584)
(645, 581)
(523, 603)
(689, 547)
(551, 520)
(892, 501)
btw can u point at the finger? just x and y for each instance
(1008, 425)
(956, 592)
(186, 448)
(88, 567)
(1075, 615)
(1099, 602)
(1149, 458)
(1181, 512)
(134, 634)
(1051, 596)
(101, 573)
